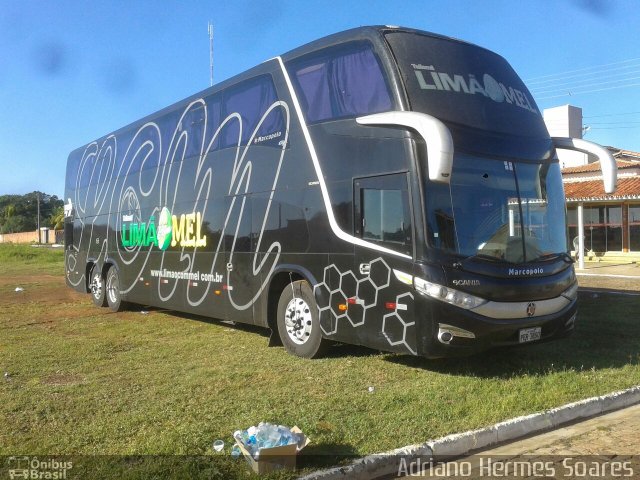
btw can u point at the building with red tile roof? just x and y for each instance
(612, 221)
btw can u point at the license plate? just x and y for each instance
(530, 334)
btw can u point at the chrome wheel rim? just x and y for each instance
(96, 285)
(298, 321)
(112, 287)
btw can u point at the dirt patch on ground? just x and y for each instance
(43, 289)
(17, 279)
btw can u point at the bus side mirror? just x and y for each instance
(607, 162)
(435, 134)
(68, 209)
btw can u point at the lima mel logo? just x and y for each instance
(185, 230)
(469, 84)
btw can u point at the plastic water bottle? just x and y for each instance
(266, 435)
(235, 451)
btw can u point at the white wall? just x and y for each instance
(566, 121)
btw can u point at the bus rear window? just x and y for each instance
(340, 82)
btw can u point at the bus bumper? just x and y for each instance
(457, 332)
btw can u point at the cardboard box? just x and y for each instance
(275, 458)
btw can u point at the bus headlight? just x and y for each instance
(448, 295)
(571, 293)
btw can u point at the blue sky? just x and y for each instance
(72, 71)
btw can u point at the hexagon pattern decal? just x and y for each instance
(361, 295)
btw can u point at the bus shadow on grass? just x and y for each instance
(337, 350)
(606, 336)
(245, 327)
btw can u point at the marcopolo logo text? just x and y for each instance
(526, 271)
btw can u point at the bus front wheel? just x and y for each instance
(114, 297)
(298, 323)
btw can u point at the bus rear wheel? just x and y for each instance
(114, 297)
(96, 287)
(298, 323)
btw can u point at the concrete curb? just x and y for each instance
(460, 444)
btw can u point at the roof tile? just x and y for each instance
(628, 188)
(595, 166)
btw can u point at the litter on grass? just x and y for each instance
(218, 445)
(268, 447)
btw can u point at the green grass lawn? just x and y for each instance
(83, 380)
(30, 259)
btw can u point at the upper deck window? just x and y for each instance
(340, 82)
(251, 100)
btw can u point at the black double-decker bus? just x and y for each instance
(383, 186)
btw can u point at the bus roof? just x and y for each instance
(374, 34)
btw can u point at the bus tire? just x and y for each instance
(298, 323)
(112, 290)
(97, 287)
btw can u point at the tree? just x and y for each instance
(57, 218)
(19, 213)
(7, 219)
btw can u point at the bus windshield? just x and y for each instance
(498, 210)
(463, 84)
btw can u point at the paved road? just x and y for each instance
(624, 278)
(616, 433)
(607, 446)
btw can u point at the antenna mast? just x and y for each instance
(210, 25)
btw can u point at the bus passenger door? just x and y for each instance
(382, 218)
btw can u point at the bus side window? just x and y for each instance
(251, 100)
(340, 82)
(383, 214)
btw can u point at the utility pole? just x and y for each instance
(38, 201)
(210, 25)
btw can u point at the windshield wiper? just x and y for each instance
(488, 258)
(553, 256)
